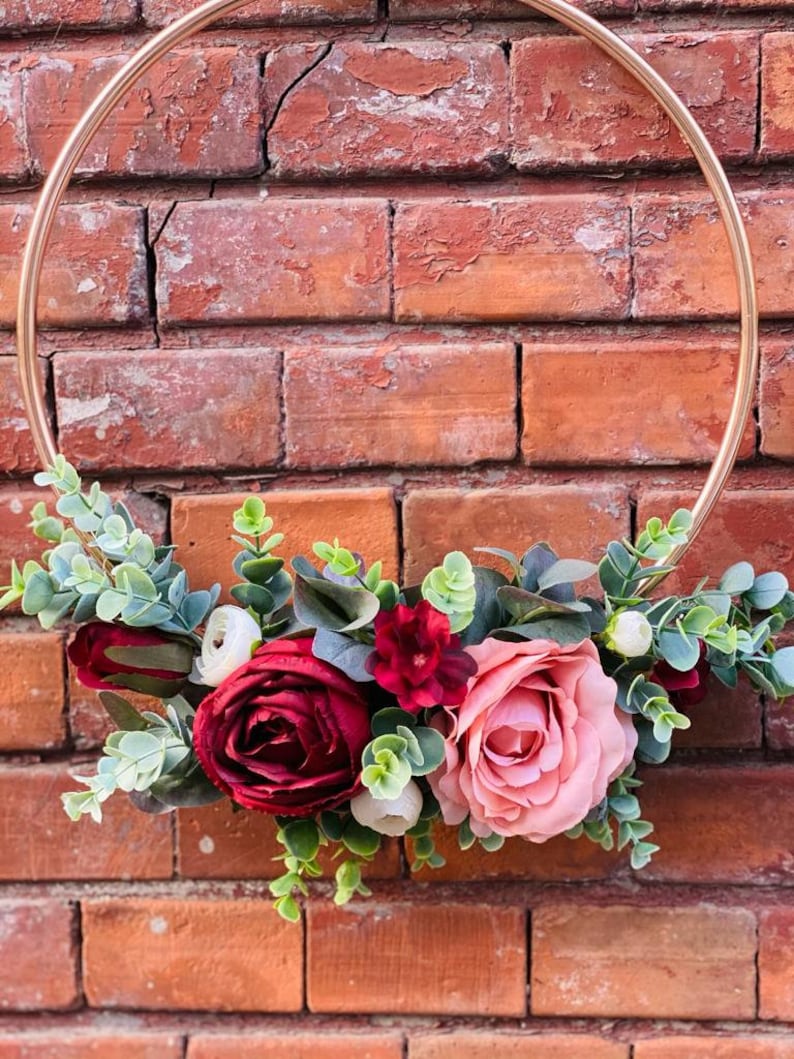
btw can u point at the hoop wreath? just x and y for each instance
(350, 707)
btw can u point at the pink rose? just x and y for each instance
(536, 741)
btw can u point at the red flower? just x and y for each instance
(687, 688)
(284, 733)
(418, 659)
(115, 657)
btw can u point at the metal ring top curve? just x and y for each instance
(581, 23)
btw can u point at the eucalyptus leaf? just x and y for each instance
(565, 630)
(737, 579)
(565, 571)
(325, 605)
(348, 655)
(767, 591)
(122, 713)
(678, 650)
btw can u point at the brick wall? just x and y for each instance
(428, 275)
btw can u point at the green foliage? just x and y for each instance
(400, 750)
(422, 848)
(266, 585)
(451, 589)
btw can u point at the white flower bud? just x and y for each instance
(230, 634)
(629, 633)
(389, 816)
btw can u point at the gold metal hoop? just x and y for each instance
(57, 183)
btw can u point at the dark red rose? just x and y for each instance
(687, 688)
(418, 659)
(285, 732)
(115, 657)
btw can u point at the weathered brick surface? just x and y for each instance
(576, 520)
(486, 1045)
(216, 409)
(682, 264)
(200, 527)
(217, 842)
(557, 257)
(16, 540)
(317, 1045)
(378, 109)
(693, 386)
(32, 665)
(572, 105)
(45, 14)
(197, 113)
(777, 97)
(411, 405)
(480, 9)
(344, 942)
(776, 965)
(17, 454)
(14, 158)
(94, 271)
(721, 824)
(27, 930)
(40, 842)
(724, 719)
(158, 12)
(91, 1045)
(247, 262)
(216, 954)
(776, 396)
(723, 1047)
(621, 961)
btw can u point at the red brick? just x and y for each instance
(40, 842)
(411, 405)
(94, 270)
(472, 1044)
(197, 114)
(250, 262)
(345, 944)
(721, 824)
(576, 520)
(88, 1044)
(572, 105)
(17, 454)
(757, 1047)
(294, 1044)
(725, 718)
(406, 10)
(158, 12)
(777, 97)
(747, 524)
(44, 14)
(139, 410)
(186, 955)
(692, 383)
(555, 257)
(200, 526)
(682, 264)
(27, 930)
(777, 395)
(217, 842)
(687, 963)
(89, 722)
(377, 109)
(32, 695)
(14, 156)
(779, 725)
(776, 965)
(16, 539)
(559, 860)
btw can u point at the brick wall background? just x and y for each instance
(428, 273)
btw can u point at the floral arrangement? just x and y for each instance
(501, 703)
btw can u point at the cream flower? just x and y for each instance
(389, 816)
(229, 637)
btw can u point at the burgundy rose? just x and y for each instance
(418, 659)
(687, 688)
(285, 732)
(116, 657)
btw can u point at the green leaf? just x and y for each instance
(254, 596)
(679, 651)
(348, 655)
(260, 571)
(326, 605)
(432, 746)
(564, 571)
(39, 592)
(565, 630)
(767, 591)
(492, 843)
(737, 579)
(173, 657)
(331, 826)
(697, 621)
(287, 907)
(782, 662)
(362, 841)
(302, 839)
(386, 721)
(466, 837)
(122, 713)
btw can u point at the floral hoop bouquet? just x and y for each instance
(503, 704)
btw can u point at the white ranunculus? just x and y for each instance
(629, 634)
(230, 634)
(389, 816)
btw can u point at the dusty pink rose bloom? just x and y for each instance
(535, 743)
